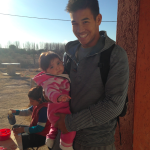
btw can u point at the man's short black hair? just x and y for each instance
(74, 5)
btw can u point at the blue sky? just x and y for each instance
(37, 30)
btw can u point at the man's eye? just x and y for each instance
(58, 63)
(51, 67)
(74, 24)
(85, 22)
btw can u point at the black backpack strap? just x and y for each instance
(67, 63)
(119, 129)
(124, 111)
(104, 63)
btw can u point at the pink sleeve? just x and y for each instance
(66, 85)
(52, 90)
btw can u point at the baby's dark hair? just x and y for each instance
(35, 93)
(45, 59)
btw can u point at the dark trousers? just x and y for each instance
(31, 140)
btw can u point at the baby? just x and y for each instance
(56, 85)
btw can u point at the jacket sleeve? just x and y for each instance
(52, 89)
(24, 112)
(115, 95)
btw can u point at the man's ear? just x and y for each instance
(99, 19)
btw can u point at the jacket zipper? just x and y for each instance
(55, 76)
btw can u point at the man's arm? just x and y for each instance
(116, 91)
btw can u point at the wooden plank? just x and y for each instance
(13, 143)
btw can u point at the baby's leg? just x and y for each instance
(50, 137)
(66, 140)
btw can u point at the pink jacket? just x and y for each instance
(54, 86)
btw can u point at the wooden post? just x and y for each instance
(127, 38)
(133, 34)
(11, 69)
(141, 136)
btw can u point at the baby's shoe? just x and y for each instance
(49, 142)
(66, 148)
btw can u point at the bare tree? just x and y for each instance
(46, 46)
(36, 46)
(57, 46)
(41, 45)
(33, 52)
(33, 46)
(17, 44)
(27, 45)
(53, 46)
(8, 43)
(23, 46)
(50, 46)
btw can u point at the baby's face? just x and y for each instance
(56, 67)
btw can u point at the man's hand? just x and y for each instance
(60, 124)
(18, 130)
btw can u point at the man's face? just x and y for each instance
(85, 27)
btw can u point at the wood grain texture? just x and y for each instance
(13, 143)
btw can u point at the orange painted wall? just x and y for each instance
(127, 38)
(141, 137)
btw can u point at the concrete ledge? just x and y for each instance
(6, 74)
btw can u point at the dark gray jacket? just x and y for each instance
(95, 107)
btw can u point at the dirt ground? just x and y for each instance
(13, 95)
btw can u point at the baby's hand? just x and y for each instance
(63, 98)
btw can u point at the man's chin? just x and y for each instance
(84, 45)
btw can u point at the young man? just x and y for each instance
(94, 106)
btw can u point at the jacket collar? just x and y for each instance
(73, 46)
